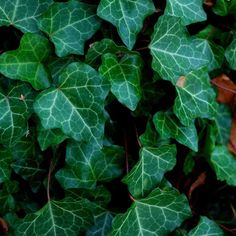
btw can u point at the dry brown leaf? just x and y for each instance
(198, 182)
(3, 226)
(226, 89)
(232, 140)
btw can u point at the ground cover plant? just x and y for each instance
(117, 117)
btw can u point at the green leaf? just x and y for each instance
(7, 201)
(127, 16)
(64, 217)
(168, 126)
(22, 14)
(150, 169)
(69, 25)
(158, 214)
(224, 165)
(224, 7)
(76, 106)
(196, 97)
(124, 76)
(49, 137)
(87, 164)
(230, 53)
(102, 225)
(174, 52)
(206, 227)
(104, 46)
(26, 62)
(190, 12)
(5, 164)
(16, 105)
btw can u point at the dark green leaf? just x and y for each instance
(230, 53)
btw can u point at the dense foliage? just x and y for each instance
(117, 117)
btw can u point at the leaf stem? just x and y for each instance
(49, 179)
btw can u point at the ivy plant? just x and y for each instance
(117, 117)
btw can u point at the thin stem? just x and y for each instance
(49, 179)
(143, 48)
(126, 154)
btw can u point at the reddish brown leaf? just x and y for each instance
(198, 182)
(226, 89)
(209, 3)
(3, 226)
(232, 140)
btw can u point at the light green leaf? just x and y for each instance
(16, 105)
(64, 217)
(127, 16)
(25, 63)
(49, 137)
(190, 12)
(150, 169)
(104, 46)
(22, 14)
(174, 52)
(87, 164)
(76, 106)
(5, 164)
(206, 227)
(7, 201)
(224, 165)
(102, 225)
(158, 214)
(124, 76)
(196, 97)
(230, 53)
(214, 52)
(168, 126)
(69, 25)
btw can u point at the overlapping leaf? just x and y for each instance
(124, 76)
(15, 108)
(224, 164)
(69, 25)
(150, 169)
(102, 47)
(64, 217)
(224, 8)
(168, 126)
(127, 16)
(206, 227)
(5, 164)
(25, 63)
(158, 214)
(196, 97)
(230, 53)
(76, 106)
(190, 12)
(87, 164)
(22, 14)
(174, 52)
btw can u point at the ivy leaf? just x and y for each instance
(87, 164)
(102, 225)
(15, 108)
(64, 217)
(5, 162)
(102, 47)
(206, 227)
(7, 201)
(168, 126)
(25, 63)
(49, 137)
(190, 13)
(158, 214)
(124, 76)
(196, 97)
(76, 106)
(22, 14)
(150, 169)
(127, 16)
(224, 165)
(223, 7)
(69, 25)
(230, 53)
(174, 52)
